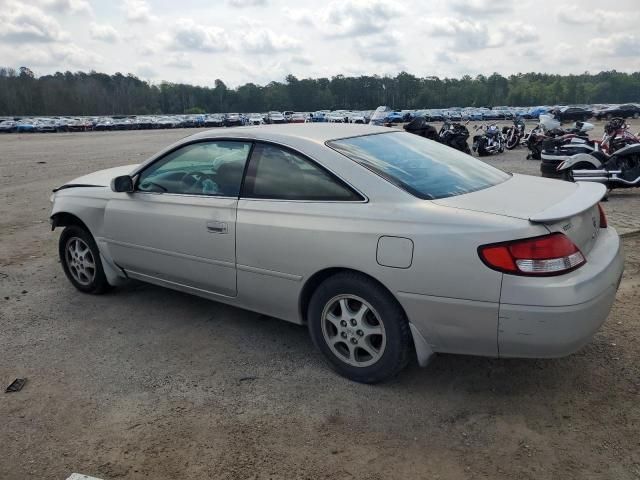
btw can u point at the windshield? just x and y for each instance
(422, 167)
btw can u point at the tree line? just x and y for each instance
(93, 93)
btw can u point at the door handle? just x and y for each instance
(217, 227)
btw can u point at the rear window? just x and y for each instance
(422, 167)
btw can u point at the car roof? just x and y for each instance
(315, 132)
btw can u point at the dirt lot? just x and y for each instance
(150, 383)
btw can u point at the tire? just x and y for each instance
(482, 151)
(512, 142)
(80, 260)
(636, 115)
(372, 320)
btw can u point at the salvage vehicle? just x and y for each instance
(385, 244)
(233, 120)
(255, 119)
(298, 117)
(628, 110)
(565, 114)
(275, 118)
(26, 126)
(8, 126)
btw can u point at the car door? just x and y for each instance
(178, 227)
(290, 215)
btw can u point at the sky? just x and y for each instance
(240, 41)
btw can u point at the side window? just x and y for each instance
(206, 168)
(278, 173)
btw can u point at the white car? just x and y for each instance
(385, 244)
(255, 119)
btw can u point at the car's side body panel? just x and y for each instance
(184, 239)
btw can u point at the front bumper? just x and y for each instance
(555, 316)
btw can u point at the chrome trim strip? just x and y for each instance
(271, 273)
(220, 263)
(174, 285)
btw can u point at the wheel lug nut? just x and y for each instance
(353, 322)
(343, 334)
(343, 323)
(354, 340)
(360, 333)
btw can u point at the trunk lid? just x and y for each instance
(570, 208)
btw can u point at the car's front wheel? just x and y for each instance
(359, 327)
(80, 260)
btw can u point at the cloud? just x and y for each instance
(265, 41)
(146, 70)
(482, 7)
(572, 15)
(179, 60)
(301, 60)
(104, 33)
(472, 35)
(349, 18)
(61, 57)
(260, 72)
(617, 45)
(25, 23)
(68, 6)
(518, 32)
(138, 11)
(299, 16)
(384, 49)
(247, 3)
(188, 35)
(604, 20)
(465, 34)
(447, 57)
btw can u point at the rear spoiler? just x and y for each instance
(586, 195)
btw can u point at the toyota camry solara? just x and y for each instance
(385, 244)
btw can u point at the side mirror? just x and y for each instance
(123, 183)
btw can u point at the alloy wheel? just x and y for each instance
(80, 261)
(353, 330)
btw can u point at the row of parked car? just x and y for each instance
(454, 114)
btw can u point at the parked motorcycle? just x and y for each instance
(620, 170)
(617, 136)
(455, 135)
(452, 134)
(616, 164)
(419, 126)
(514, 134)
(488, 141)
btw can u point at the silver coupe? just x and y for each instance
(387, 245)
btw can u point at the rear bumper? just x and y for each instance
(567, 310)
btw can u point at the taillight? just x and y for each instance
(552, 254)
(603, 217)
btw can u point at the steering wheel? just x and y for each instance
(191, 179)
(196, 181)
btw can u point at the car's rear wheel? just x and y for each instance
(80, 260)
(359, 327)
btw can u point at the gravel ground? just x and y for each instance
(150, 383)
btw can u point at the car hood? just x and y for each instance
(530, 198)
(101, 178)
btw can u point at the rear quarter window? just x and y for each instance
(424, 168)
